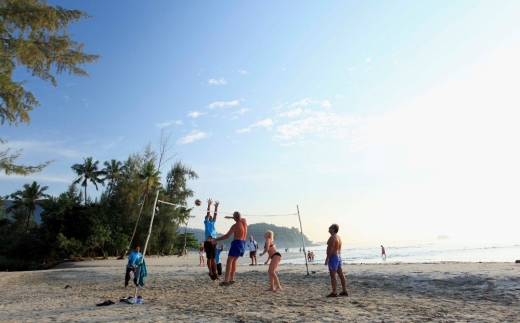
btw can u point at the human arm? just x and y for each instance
(209, 204)
(266, 247)
(215, 213)
(330, 244)
(227, 235)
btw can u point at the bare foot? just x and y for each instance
(270, 290)
(279, 289)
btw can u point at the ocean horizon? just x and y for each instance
(434, 251)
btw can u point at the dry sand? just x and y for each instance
(177, 290)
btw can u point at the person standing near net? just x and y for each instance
(253, 247)
(333, 260)
(275, 258)
(238, 246)
(134, 259)
(201, 254)
(209, 244)
(217, 259)
(383, 252)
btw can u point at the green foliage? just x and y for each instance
(27, 200)
(88, 172)
(67, 248)
(191, 241)
(33, 35)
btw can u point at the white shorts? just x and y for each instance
(201, 254)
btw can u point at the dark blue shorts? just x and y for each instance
(237, 249)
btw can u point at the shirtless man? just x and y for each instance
(238, 246)
(333, 260)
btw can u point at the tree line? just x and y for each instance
(73, 226)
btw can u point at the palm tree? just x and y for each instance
(88, 171)
(113, 171)
(27, 199)
(150, 176)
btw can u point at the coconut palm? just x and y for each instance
(88, 171)
(27, 199)
(113, 171)
(150, 177)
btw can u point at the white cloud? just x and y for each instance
(242, 111)
(266, 123)
(193, 136)
(352, 69)
(195, 114)
(321, 124)
(169, 123)
(222, 104)
(66, 97)
(326, 104)
(291, 113)
(340, 96)
(243, 72)
(221, 81)
(368, 60)
(303, 102)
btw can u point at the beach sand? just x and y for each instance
(177, 290)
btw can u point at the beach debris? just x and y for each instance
(106, 303)
(517, 262)
(68, 286)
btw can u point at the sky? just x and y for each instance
(394, 119)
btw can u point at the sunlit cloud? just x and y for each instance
(193, 136)
(266, 123)
(291, 113)
(303, 102)
(169, 123)
(220, 81)
(243, 72)
(195, 114)
(222, 104)
(352, 69)
(368, 60)
(320, 124)
(326, 104)
(113, 143)
(340, 96)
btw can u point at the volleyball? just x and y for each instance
(198, 202)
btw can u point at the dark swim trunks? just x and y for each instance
(238, 247)
(211, 249)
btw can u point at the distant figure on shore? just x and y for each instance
(309, 255)
(201, 254)
(300, 249)
(333, 260)
(253, 247)
(383, 252)
(312, 256)
(275, 258)
(209, 244)
(134, 259)
(217, 259)
(238, 246)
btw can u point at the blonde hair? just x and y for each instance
(271, 234)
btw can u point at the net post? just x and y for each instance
(147, 239)
(303, 242)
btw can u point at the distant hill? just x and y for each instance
(442, 237)
(283, 237)
(37, 213)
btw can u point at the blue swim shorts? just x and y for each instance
(335, 262)
(237, 249)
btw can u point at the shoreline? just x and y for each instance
(178, 290)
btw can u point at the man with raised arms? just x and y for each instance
(209, 244)
(333, 260)
(238, 246)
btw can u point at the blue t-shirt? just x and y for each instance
(217, 256)
(134, 258)
(209, 228)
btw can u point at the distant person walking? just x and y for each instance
(383, 252)
(333, 260)
(238, 246)
(275, 258)
(253, 247)
(134, 259)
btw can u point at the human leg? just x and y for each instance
(233, 269)
(343, 280)
(228, 269)
(127, 276)
(333, 281)
(275, 261)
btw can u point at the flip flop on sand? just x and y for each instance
(106, 303)
(343, 294)
(333, 295)
(224, 284)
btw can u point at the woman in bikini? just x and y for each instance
(275, 258)
(201, 255)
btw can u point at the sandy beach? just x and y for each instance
(177, 290)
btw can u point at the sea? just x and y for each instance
(418, 252)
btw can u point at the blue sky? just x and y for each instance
(396, 120)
